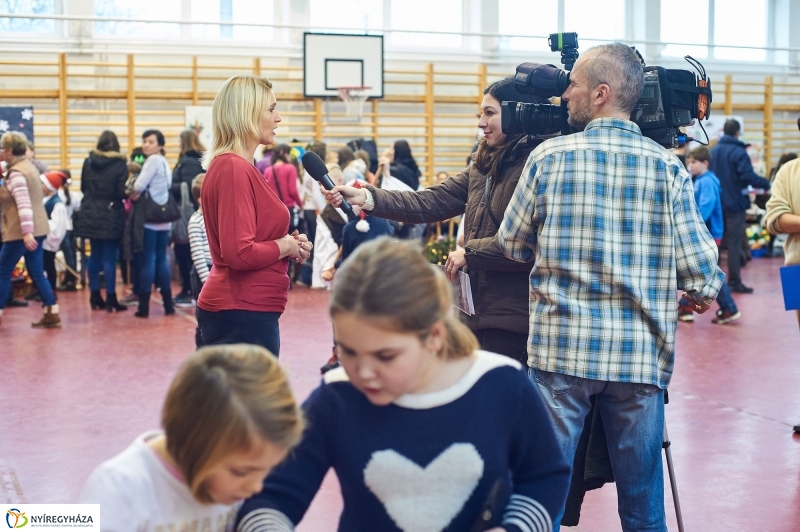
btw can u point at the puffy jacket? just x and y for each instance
(103, 185)
(731, 164)
(407, 171)
(184, 172)
(500, 287)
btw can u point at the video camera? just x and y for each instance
(671, 98)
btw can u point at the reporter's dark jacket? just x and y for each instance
(500, 286)
(102, 215)
(184, 172)
(731, 164)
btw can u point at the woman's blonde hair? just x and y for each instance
(16, 141)
(225, 399)
(389, 279)
(190, 142)
(236, 114)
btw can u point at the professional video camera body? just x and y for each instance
(671, 98)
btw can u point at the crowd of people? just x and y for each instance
(575, 247)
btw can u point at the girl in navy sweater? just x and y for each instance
(422, 428)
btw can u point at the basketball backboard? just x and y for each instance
(333, 60)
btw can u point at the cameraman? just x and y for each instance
(610, 219)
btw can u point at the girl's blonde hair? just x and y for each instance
(225, 399)
(391, 279)
(197, 186)
(236, 114)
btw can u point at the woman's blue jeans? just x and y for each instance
(103, 257)
(154, 262)
(238, 327)
(633, 418)
(10, 254)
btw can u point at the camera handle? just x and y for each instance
(568, 58)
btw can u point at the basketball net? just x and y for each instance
(353, 98)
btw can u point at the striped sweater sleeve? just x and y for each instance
(265, 520)
(198, 244)
(18, 186)
(524, 514)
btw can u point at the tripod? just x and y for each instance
(672, 482)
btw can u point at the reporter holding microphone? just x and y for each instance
(247, 224)
(481, 192)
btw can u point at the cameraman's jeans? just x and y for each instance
(633, 416)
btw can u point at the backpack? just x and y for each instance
(180, 227)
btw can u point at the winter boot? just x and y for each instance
(169, 307)
(144, 306)
(50, 320)
(96, 300)
(112, 305)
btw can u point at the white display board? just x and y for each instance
(198, 118)
(334, 60)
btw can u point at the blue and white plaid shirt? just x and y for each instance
(610, 217)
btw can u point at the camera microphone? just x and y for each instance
(316, 169)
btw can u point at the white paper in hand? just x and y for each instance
(462, 293)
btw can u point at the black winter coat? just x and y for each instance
(407, 171)
(102, 214)
(184, 172)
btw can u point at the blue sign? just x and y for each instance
(17, 119)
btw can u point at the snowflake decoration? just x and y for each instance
(27, 114)
(3, 125)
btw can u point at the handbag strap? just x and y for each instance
(489, 205)
(277, 185)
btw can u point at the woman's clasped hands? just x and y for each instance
(295, 246)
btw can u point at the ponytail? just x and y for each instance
(65, 186)
(459, 341)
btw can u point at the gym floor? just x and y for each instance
(74, 397)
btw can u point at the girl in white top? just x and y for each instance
(229, 418)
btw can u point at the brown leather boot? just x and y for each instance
(50, 320)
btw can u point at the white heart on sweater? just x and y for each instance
(424, 499)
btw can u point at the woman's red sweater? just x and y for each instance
(243, 219)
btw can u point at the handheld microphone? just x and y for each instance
(317, 169)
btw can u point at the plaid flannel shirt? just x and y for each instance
(610, 217)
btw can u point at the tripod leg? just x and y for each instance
(672, 482)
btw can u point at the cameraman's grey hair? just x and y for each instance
(617, 65)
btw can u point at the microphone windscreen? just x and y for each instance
(314, 165)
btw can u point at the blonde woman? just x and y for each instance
(24, 226)
(246, 222)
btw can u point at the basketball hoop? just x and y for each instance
(354, 98)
